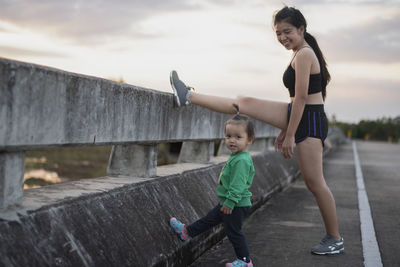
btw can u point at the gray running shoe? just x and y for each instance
(181, 91)
(329, 245)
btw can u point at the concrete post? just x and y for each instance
(197, 152)
(12, 168)
(133, 160)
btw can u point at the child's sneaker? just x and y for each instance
(181, 91)
(329, 245)
(239, 263)
(177, 226)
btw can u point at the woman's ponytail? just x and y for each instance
(326, 77)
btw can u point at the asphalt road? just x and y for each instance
(282, 232)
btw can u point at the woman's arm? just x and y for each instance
(303, 62)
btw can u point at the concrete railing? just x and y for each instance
(45, 107)
(120, 219)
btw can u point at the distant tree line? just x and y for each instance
(385, 129)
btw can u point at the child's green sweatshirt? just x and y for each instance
(235, 180)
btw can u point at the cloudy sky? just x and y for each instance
(220, 47)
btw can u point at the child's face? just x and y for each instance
(236, 139)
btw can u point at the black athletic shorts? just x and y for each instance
(313, 123)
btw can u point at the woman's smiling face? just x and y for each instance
(289, 36)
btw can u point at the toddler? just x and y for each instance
(233, 191)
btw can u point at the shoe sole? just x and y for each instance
(174, 89)
(329, 253)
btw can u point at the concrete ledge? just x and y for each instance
(124, 222)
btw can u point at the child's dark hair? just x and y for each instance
(242, 119)
(293, 16)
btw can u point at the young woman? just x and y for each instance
(302, 121)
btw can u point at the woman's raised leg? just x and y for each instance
(214, 103)
(271, 112)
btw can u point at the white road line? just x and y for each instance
(372, 256)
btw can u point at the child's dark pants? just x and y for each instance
(232, 224)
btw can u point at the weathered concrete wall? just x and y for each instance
(41, 106)
(124, 222)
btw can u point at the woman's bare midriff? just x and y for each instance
(313, 99)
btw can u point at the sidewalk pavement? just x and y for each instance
(282, 232)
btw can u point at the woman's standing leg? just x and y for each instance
(309, 153)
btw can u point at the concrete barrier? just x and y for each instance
(124, 222)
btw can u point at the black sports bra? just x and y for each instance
(289, 80)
